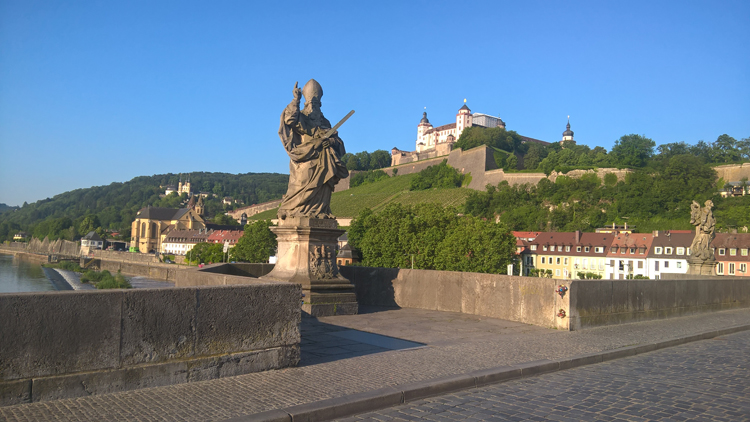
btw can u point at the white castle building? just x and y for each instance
(438, 141)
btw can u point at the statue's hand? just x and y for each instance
(326, 143)
(296, 92)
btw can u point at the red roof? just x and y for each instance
(224, 236)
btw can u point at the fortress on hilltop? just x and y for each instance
(438, 141)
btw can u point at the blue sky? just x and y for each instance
(95, 92)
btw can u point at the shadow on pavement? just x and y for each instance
(322, 342)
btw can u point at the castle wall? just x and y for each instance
(733, 172)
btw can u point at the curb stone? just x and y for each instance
(383, 398)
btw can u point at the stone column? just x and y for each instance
(697, 266)
(307, 255)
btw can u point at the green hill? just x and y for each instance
(377, 195)
(113, 207)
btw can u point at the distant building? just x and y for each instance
(669, 252)
(731, 254)
(347, 256)
(152, 224)
(566, 254)
(438, 141)
(568, 134)
(228, 237)
(628, 255)
(20, 237)
(91, 241)
(179, 242)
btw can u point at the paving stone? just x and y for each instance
(456, 344)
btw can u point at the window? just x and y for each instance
(611, 262)
(666, 264)
(731, 268)
(679, 264)
(630, 265)
(656, 266)
(549, 259)
(632, 251)
(668, 250)
(733, 252)
(744, 252)
(585, 263)
(688, 251)
(533, 247)
(720, 268)
(613, 249)
(558, 261)
(578, 249)
(657, 250)
(622, 265)
(743, 268)
(641, 250)
(552, 248)
(722, 251)
(544, 248)
(587, 248)
(565, 262)
(623, 250)
(640, 264)
(680, 251)
(599, 249)
(567, 248)
(557, 273)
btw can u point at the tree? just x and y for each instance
(225, 219)
(257, 244)
(379, 159)
(438, 176)
(474, 245)
(725, 150)
(632, 151)
(512, 163)
(206, 253)
(89, 223)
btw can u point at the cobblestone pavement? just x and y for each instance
(455, 344)
(703, 381)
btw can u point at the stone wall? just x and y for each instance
(69, 344)
(595, 303)
(733, 172)
(254, 209)
(157, 271)
(57, 247)
(125, 256)
(600, 173)
(530, 300)
(222, 275)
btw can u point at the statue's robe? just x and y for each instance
(313, 173)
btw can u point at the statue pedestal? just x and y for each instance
(307, 255)
(698, 266)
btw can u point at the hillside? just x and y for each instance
(113, 207)
(377, 195)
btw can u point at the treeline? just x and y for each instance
(364, 160)
(630, 151)
(651, 199)
(429, 236)
(71, 215)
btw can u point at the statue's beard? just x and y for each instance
(312, 110)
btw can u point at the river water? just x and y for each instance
(19, 275)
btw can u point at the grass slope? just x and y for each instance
(377, 195)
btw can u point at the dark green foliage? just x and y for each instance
(433, 237)
(113, 207)
(590, 276)
(66, 265)
(105, 280)
(362, 178)
(439, 176)
(225, 220)
(632, 151)
(506, 140)
(257, 244)
(364, 160)
(6, 208)
(511, 163)
(205, 253)
(650, 200)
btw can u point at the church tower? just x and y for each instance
(424, 126)
(568, 134)
(463, 119)
(200, 207)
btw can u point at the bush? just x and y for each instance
(439, 176)
(365, 177)
(105, 280)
